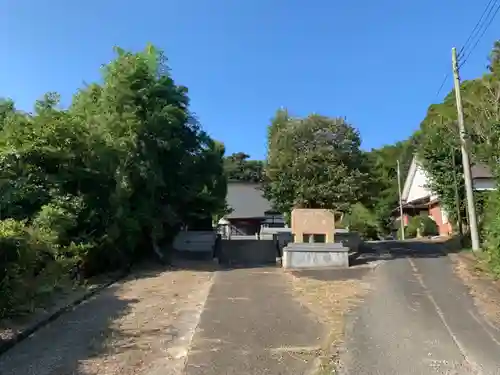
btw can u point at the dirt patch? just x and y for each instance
(151, 336)
(329, 301)
(485, 290)
(141, 325)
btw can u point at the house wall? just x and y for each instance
(418, 189)
(443, 224)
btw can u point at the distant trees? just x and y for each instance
(238, 167)
(382, 195)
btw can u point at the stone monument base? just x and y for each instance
(311, 255)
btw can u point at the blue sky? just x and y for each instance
(378, 63)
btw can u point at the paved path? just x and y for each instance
(142, 325)
(251, 325)
(419, 319)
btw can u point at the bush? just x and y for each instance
(363, 221)
(429, 227)
(423, 224)
(17, 261)
(491, 232)
(55, 220)
(30, 267)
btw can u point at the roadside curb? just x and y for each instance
(23, 334)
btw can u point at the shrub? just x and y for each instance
(17, 260)
(30, 267)
(423, 224)
(429, 226)
(491, 232)
(55, 220)
(363, 221)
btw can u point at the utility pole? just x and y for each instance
(465, 156)
(401, 217)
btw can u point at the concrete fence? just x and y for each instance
(195, 241)
(248, 252)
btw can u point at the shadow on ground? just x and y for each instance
(387, 250)
(362, 262)
(64, 345)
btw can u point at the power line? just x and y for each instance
(478, 28)
(462, 63)
(489, 6)
(442, 84)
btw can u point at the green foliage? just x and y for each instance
(382, 195)
(491, 231)
(360, 219)
(29, 268)
(239, 168)
(110, 179)
(423, 225)
(439, 155)
(313, 162)
(56, 220)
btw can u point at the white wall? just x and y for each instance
(418, 189)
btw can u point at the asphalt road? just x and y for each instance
(419, 319)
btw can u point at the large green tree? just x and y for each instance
(108, 180)
(313, 162)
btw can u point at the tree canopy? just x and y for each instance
(109, 179)
(313, 162)
(238, 167)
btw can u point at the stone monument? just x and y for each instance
(313, 225)
(314, 246)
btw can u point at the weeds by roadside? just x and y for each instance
(474, 271)
(329, 301)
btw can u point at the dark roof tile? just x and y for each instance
(247, 200)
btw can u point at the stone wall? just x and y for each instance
(311, 255)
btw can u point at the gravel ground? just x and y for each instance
(142, 325)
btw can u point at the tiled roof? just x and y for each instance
(480, 171)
